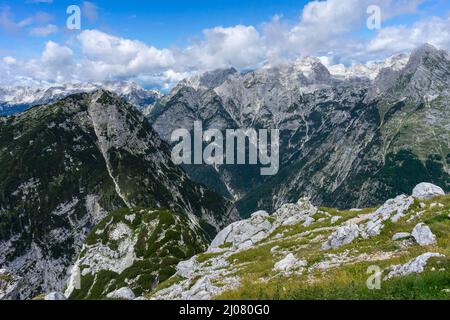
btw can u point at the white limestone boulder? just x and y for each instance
(342, 236)
(423, 235)
(426, 190)
(122, 294)
(401, 235)
(293, 213)
(187, 268)
(289, 263)
(245, 233)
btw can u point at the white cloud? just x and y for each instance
(434, 30)
(239, 46)
(55, 64)
(44, 31)
(9, 60)
(107, 56)
(328, 29)
(328, 26)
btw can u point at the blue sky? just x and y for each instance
(181, 37)
(160, 23)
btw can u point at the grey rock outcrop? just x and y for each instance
(392, 210)
(423, 235)
(55, 296)
(416, 265)
(122, 294)
(243, 234)
(401, 235)
(343, 235)
(289, 264)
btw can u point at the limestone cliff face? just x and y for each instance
(133, 248)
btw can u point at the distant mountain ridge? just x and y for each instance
(14, 99)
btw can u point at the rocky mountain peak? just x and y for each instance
(312, 68)
(209, 79)
(419, 55)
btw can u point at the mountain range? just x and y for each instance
(14, 99)
(349, 137)
(92, 205)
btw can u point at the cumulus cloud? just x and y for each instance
(55, 65)
(239, 46)
(107, 56)
(9, 60)
(328, 26)
(434, 30)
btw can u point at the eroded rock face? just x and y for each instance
(426, 190)
(129, 247)
(9, 285)
(416, 265)
(423, 235)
